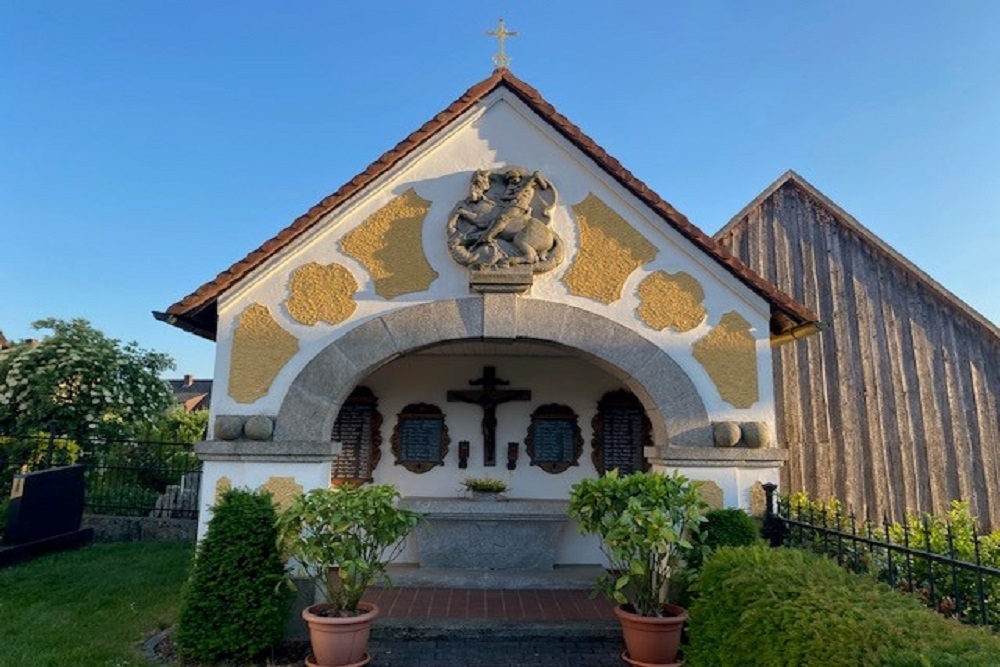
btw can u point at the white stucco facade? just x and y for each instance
(498, 132)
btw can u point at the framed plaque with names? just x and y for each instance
(420, 438)
(554, 442)
(359, 429)
(621, 431)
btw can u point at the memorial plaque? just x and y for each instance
(554, 442)
(621, 431)
(358, 428)
(420, 438)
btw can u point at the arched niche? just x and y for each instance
(673, 405)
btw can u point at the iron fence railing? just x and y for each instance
(123, 477)
(951, 568)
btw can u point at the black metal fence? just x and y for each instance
(944, 562)
(123, 477)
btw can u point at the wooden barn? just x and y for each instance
(894, 407)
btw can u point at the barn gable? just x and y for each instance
(895, 407)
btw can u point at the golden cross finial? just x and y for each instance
(501, 59)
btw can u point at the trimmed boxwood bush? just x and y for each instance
(234, 604)
(729, 527)
(773, 607)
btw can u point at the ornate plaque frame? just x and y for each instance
(618, 399)
(554, 411)
(363, 396)
(419, 411)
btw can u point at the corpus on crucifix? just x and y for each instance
(488, 398)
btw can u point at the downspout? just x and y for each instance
(797, 333)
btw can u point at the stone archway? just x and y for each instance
(672, 402)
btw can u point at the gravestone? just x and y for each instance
(554, 442)
(44, 504)
(420, 438)
(621, 431)
(44, 515)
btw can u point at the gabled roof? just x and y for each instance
(791, 179)
(197, 312)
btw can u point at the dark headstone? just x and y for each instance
(45, 504)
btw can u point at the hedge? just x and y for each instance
(786, 607)
(234, 604)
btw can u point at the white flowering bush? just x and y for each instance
(87, 384)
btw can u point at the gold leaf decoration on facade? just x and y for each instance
(758, 499)
(318, 293)
(711, 494)
(283, 491)
(261, 348)
(671, 300)
(222, 485)
(729, 356)
(390, 245)
(610, 250)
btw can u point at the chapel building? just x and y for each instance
(495, 296)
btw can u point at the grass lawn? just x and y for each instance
(91, 607)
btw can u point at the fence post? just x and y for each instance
(52, 444)
(772, 522)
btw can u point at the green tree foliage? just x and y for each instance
(87, 383)
(178, 425)
(768, 607)
(234, 605)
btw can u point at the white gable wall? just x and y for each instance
(500, 132)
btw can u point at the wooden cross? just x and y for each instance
(488, 398)
(501, 60)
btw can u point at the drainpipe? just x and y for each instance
(797, 333)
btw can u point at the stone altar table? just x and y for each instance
(491, 535)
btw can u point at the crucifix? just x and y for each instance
(488, 398)
(501, 59)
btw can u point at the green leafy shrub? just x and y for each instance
(644, 521)
(953, 534)
(771, 607)
(234, 605)
(355, 531)
(730, 527)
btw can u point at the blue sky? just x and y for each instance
(146, 146)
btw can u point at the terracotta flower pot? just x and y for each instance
(339, 641)
(653, 640)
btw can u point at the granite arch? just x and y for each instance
(672, 402)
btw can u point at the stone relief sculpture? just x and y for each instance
(504, 222)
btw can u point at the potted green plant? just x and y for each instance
(484, 488)
(644, 521)
(343, 539)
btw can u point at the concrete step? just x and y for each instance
(575, 577)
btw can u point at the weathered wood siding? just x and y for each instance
(895, 406)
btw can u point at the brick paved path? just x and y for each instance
(529, 652)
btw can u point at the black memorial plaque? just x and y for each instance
(420, 438)
(554, 442)
(621, 431)
(358, 428)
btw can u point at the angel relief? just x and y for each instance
(505, 222)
